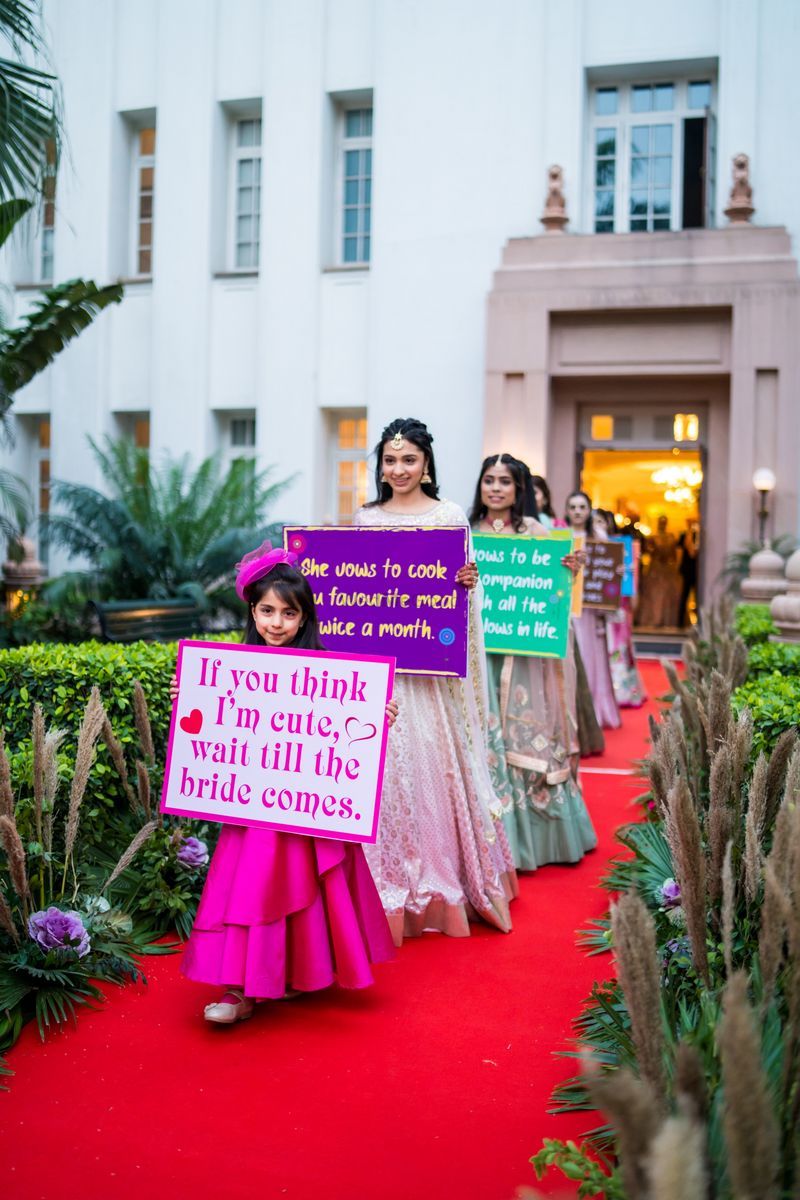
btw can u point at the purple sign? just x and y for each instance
(389, 591)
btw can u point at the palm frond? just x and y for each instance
(28, 121)
(16, 505)
(64, 312)
(11, 213)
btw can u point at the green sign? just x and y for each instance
(527, 593)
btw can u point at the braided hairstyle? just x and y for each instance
(524, 500)
(416, 432)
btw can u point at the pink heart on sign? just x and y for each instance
(364, 737)
(193, 723)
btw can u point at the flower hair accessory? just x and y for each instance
(259, 563)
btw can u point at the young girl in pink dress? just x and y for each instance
(283, 912)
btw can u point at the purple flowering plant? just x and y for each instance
(54, 929)
(192, 852)
(669, 894)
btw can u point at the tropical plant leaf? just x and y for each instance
(16, 505)
(163, 529)
(65, 310)
(11, 212)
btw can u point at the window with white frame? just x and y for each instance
(144, 173)
(652, 150)
(355, 206)
(237, 436)
(350, 470)
(246, 194)
(136, 427)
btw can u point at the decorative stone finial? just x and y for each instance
(740, 203)
(785, 610)
(554, 217)
(765, 577)
(24, 574)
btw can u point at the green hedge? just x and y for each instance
(767, 658)
(754, 624)
(774, 701)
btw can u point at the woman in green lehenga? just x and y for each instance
(533, 732)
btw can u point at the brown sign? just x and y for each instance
(602, 575)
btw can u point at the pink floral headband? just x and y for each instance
(259, 563)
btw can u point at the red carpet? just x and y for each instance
(432, 1086)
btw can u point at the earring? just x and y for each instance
(384, 479)
(426, 478)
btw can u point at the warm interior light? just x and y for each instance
(764, 479)
(678, 476)
(602, 428)
(685, 427)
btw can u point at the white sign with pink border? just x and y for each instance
(287, 739)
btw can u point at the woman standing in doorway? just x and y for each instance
(442, 855)
(533, 737)
(590, 626)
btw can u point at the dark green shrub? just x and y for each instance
(754, 623)
(39, 621)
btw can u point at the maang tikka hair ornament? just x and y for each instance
(398, 441)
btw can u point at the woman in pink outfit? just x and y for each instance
(590, 626)
(283, 912)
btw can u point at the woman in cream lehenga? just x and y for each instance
(442, 856)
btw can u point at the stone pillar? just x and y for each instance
(785, 609)
(765, 578)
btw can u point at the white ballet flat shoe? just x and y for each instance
(224, 1013)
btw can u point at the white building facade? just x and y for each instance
(326, 215)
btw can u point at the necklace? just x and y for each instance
(498, 524)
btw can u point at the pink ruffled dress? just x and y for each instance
(281, 911)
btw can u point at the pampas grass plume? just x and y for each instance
(142, 719)
(52, 744)
(676, 1164)
(719, 710)
(6, 791)
(719, 817)
(91, 726)
(683, 835)
(728, 898)
(143, 786)
(741, 745)
(775, 915)
(15, 852)
(7, 921)
(133, 849)
(37, 742)
(639, 971)
(748, 1118)
(691, 1087)
(777, 770)
(636, 1116)
(117, 754)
